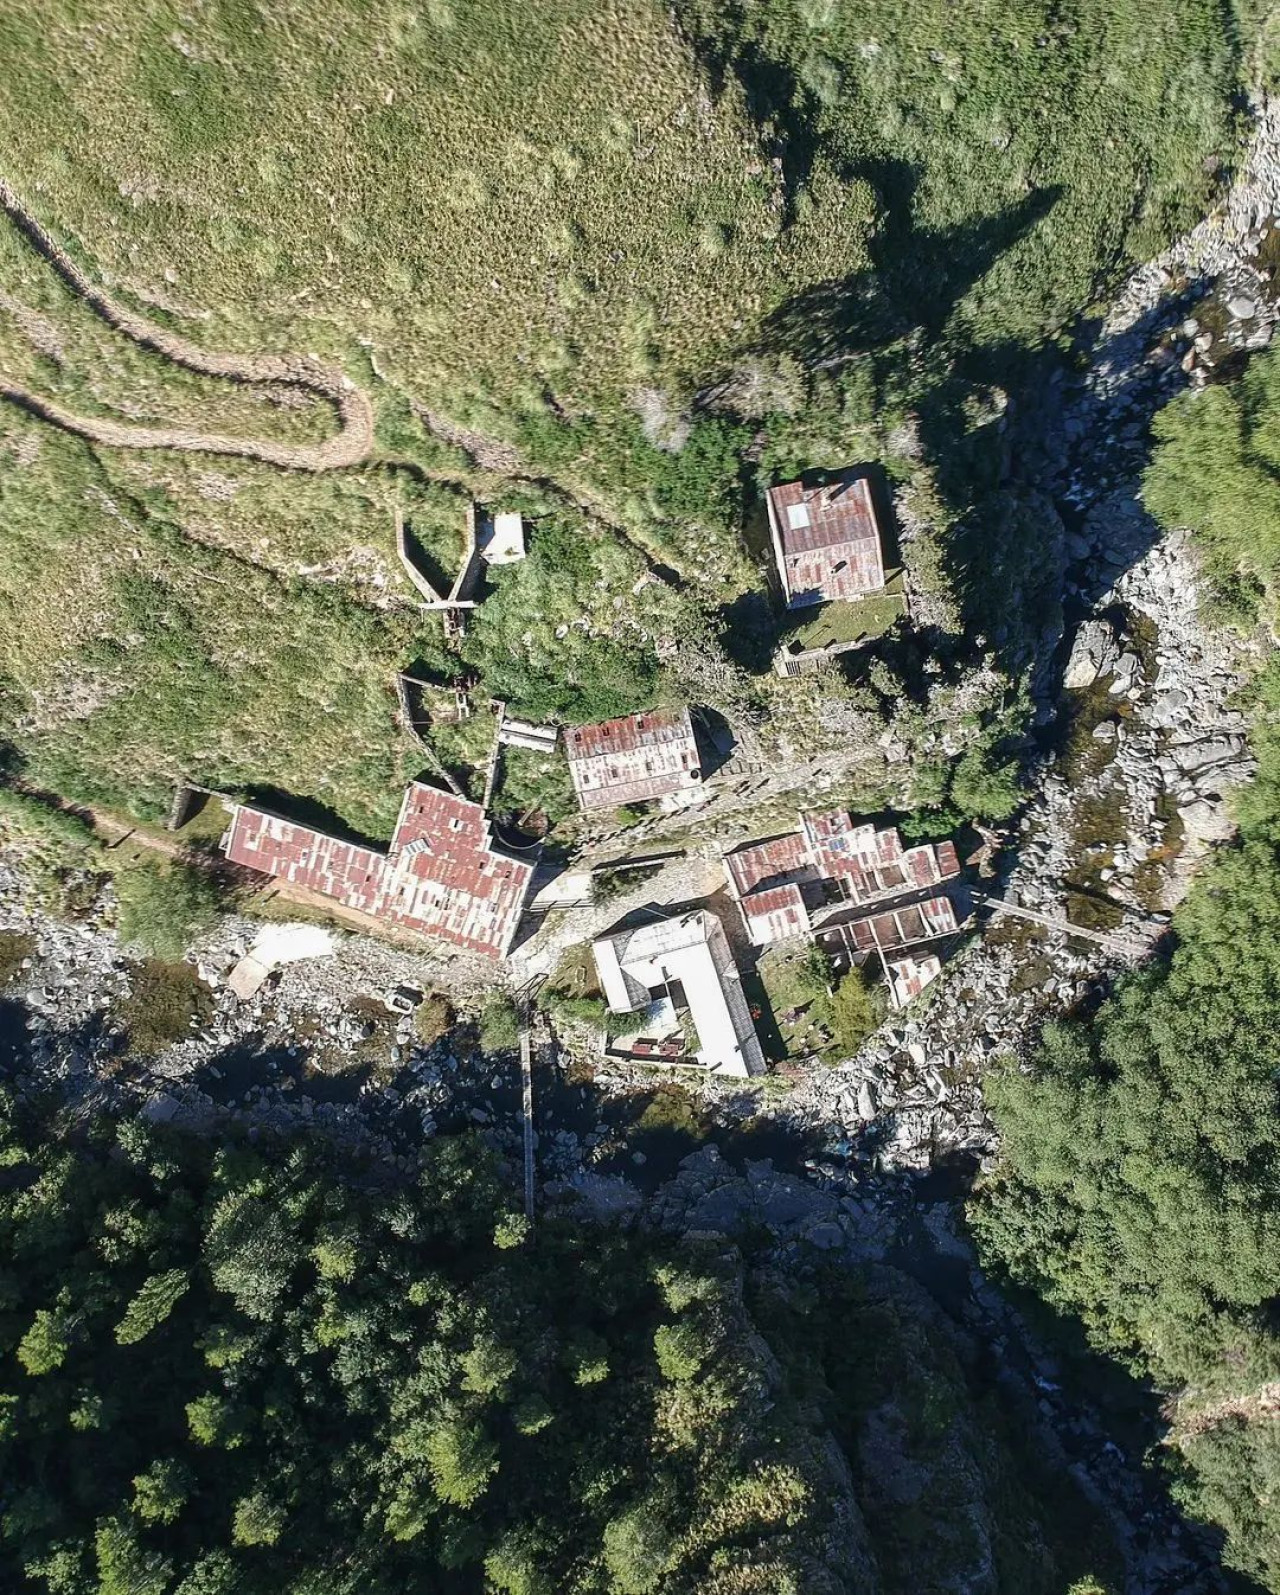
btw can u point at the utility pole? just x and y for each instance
(525, 1007)
(526, 1113)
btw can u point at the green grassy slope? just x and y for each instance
(537, 236)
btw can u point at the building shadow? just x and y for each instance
(310, 812)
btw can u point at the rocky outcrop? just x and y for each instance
(927, 1468)
(1094, 654)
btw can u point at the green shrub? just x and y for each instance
(701, 481)
(851, 1012)
(461, 1458)
(533, 783)
(164, 905)
(930, 825)
(984, 789)
(607, 885)
(679, 1349)
(1213, 469)
(499, 1023)
(167, 1002)
(46, 1343)
(31, 818)
(637, 1550)
(433, 1018)
(157, 1298)
(587, 1009)
(257, 1521)
(161, 1492)
(15, 946)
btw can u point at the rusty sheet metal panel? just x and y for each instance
(442, 878)
(899, 927)
(757, 863)
(776, 915)
(635, 759)
(827, 539)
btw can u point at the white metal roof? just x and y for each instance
(690, 949)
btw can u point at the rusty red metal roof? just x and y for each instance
(754, 864)
(899, 927)
(826, 539)
(836, 835)
(832, 854)
(871, 863)
(776, 913)
(441, 877)
(910, 975)
(947, 859)
(633, 759)
(629, 733)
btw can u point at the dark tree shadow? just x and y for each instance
(1007, 552)
(749, 630)
(776, 102)
(914, 281)
(715, 739)
(15, 1035)
(421, 556)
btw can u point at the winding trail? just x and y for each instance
(351, 445)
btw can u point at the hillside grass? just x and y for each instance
(132, 656)
(615, 267)
(487, 196)
(1021, 151)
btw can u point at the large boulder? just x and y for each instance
(1094, 654)
(1206, 822)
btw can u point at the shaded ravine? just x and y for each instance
(351, 445)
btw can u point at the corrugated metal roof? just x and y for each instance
(835, 834)
(629, 733)
(871, 863)
(634, 759)
(851, 860)
(899, 927)
(754, 864)
(836, 513)
(827, 539)
(948, 860)
(910, 975)
(776, 914)
(441, 877)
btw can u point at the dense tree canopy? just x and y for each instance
(229, 1369)
(229, 1372)
(1140, 1189)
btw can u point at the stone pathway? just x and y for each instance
(351, 445)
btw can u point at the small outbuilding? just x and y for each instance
(826, 539)
(501, 537)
